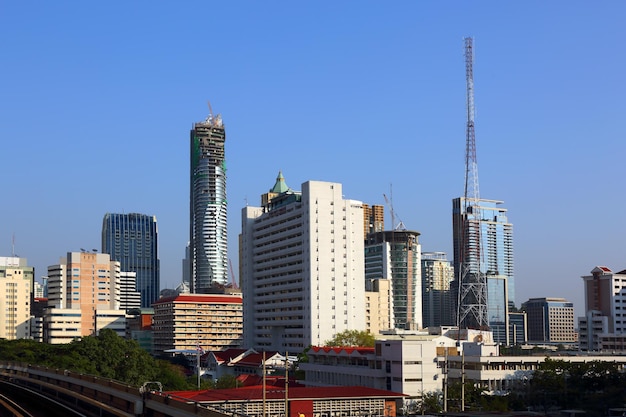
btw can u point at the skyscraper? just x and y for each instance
(132, 240)
(396, 255)
(208, 239)
(437, 296)
(495, 253)
(16, 292)
(302, 266)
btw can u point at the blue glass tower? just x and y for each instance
(132, 240)
(496, 258)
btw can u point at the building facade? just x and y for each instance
(377, 305)
(550, 320)
(17, 280)
(603, 328)
(132, 240)
(208, 238)
(83, 297)
(396, 255)
(197, 321)
(437, 297)
(373, 219)
(129, 298)
(484, 238)
(302, 266)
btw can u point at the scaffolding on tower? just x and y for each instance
(472, 284)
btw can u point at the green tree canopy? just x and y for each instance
(353, 338)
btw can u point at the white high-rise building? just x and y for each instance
(603, 328)
(208, 233)
(16, 287)
(302, 265)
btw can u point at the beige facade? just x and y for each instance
(377, 305)
(83, 297)
(193, 321)
(16, 286)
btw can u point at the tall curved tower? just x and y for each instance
(208, 238)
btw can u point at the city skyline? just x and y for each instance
(370, 97)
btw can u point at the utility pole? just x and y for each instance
(286, 384)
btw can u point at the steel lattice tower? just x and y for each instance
(472, 284)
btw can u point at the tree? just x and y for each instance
(354, 338)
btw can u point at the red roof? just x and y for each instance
(276, 393)
(228, 354)
(347, 349)
(201, 298)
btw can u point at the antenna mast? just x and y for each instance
(472, 297)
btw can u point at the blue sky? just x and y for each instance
(97, 99)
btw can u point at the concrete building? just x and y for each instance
(83, 297)
(302, 266)
(132, 240)
(16, 292)
(396, 255)
(377, 305)
(193, 321)
(373, 219)
(603, 328)
(550, 320)
(139, 328)
(437, 296)
(301, 401)
(493, 259)
(129, 298)
(409, 364)
(483, 365)
(208, 233)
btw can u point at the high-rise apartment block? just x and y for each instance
(83, 297)
(302, 266)
(132, 240)
(396, 255)
(16, 292)
(603, 328)
(550, 320)
(193, 321)
(208, 239)
(437, 296)
(493, 246)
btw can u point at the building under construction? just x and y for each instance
(208, 238)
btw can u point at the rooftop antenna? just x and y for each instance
(472, 294)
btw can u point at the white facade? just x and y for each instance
(16, 286)
(302, 267)
(410, 364)
(130, 298)
(604, 325)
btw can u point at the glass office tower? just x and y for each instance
(132, 240)
(496, 258)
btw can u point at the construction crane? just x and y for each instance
(389, 201)
(232, 275)
(472, 284)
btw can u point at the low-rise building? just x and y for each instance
(352, 401)
(194, 321)
(401, 363)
